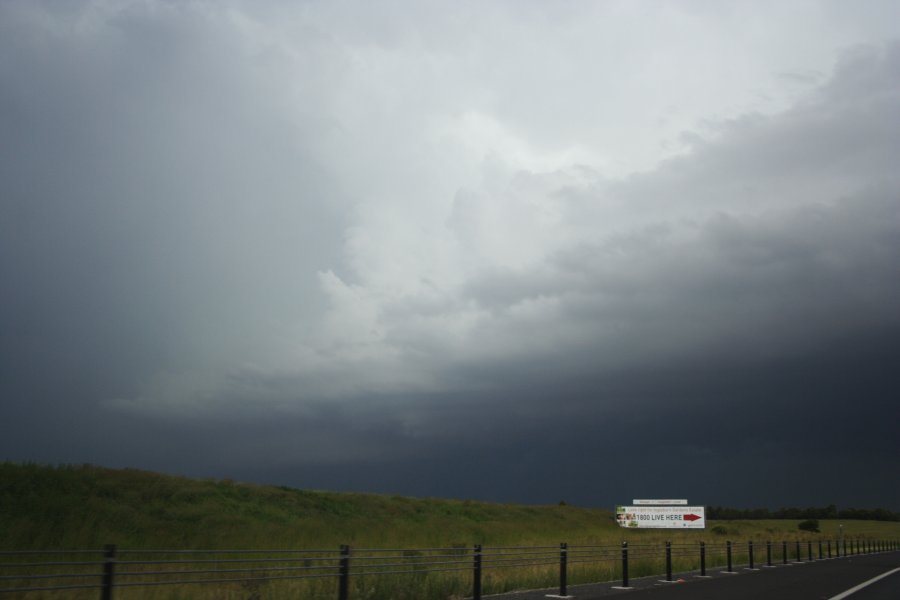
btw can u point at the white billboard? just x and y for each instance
(661, 517)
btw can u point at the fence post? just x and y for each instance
(750, 553)
(798, 552)
(728, 552)
(624, 564)
(109, 561)
(563, 550)
(809, 550)
(476, 576)
(768, 553)
(668, 561)
(845, 547)
(344, 573)
(702, 559)
(820, 549)
(829, 548)
(784, 551)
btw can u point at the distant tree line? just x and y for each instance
(826, 512)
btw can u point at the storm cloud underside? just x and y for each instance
(277, 245)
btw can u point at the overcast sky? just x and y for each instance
(512, 251)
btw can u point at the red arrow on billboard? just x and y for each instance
(692, 517)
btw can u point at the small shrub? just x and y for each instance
(809, 525)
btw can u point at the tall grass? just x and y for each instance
(85, 507)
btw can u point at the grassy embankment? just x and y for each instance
(84, 507)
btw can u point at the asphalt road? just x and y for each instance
(818, 580)
(886, 588)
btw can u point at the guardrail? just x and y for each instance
(27, 572)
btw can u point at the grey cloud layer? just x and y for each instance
(303, 251)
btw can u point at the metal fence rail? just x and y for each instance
(33, 571)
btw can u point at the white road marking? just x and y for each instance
(853, 590)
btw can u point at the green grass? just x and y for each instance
(85, 507)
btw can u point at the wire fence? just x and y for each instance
(330, 572)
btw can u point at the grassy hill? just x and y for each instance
(85, 506)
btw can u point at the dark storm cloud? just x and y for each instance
(228, 254)
(745, 323)
(153, 193)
